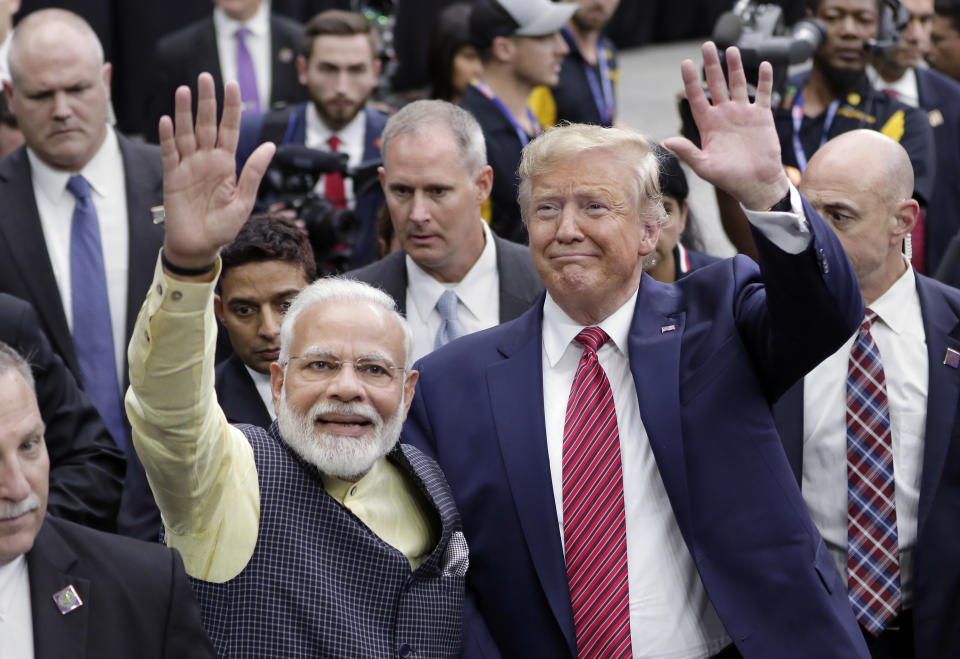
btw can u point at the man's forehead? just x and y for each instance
(344, 49)
(859, 6)
(341, 326)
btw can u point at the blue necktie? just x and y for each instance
(92, 329)
(450, 327)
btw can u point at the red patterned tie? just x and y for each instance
(873, 553)
(594, 529)
(333, 183)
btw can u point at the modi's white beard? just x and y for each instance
(347, 458)
(12, 509)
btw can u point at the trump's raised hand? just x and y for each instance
(205, 203)
(740, 150)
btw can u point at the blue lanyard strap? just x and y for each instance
(601, 87)
(797, 116)
(484, 89)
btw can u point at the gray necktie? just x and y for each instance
(450, 327)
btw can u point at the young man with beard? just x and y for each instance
(319, 536)
(339, 67)
(834, 97)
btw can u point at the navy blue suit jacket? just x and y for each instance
(739, 340)
(936, 606)
(368, 203)
(940, 98)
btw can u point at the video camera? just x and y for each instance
(290, 183)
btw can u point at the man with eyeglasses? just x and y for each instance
(320, 536)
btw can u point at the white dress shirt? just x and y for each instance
(478, 297)
(257, 42)
(262, 382)
(16, 618)
(352, 142)
(107, 178)
(905, 86)
(898, 333)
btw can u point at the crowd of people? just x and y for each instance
(310, 372)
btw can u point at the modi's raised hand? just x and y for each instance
(205, 204)
(740, 150)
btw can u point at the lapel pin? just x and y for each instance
(285, 55)
(667, 328)
(67, 599)
(952, 358)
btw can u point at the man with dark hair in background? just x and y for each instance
(339, 66)
(945, 38)
(241, 40)
(264, 268)
(895, 72)
(835, 96)
(521, 47)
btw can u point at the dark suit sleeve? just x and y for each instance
(86, 467)
(807, 305)
(184, 634)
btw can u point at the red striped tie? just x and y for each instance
(594, 530)
(333, 188)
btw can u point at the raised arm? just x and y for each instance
(740, 151)
(201, 470)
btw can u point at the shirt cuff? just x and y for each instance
(788, 231)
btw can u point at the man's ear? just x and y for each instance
(218, 307)
(502, 49)
(484, 183)
(302, 70)
(409, 389)
(276, 385)
(905, 219)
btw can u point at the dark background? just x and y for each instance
(129, 29)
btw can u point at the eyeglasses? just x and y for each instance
(371, 371)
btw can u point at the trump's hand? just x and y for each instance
(740, 150)
(205, 205)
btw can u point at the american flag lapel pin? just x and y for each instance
(667, 328)
(67, 599)
(952, 358)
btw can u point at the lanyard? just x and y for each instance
(484, 89)
(797, 115)
(600, 88)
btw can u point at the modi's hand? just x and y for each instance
(205, 204)
(740, 150)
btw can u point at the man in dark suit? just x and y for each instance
(70, 590)
(705, 540)
(861, 185)
(436, 178)
(895, 72)
(270, 44)
(76, 236)
(264, 268)
(86, 467)
(339, 68)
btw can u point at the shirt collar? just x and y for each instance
(559, 329)
(424, 291)
(259, 23)
(352, 133)
(373, 480)
(899, 306)
(4, 47)
(98, 171)
(905, 85)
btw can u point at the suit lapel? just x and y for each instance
(241, 394)
(144, 189)
(394, 280)
(284, 74)
(209, 59)
(515, 298)
(940, 324)
(22, 230)
(654, 344)
(515, 386)
(56, 634)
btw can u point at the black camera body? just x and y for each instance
(290, 183)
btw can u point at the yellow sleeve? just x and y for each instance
(201, 470)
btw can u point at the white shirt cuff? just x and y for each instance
(788, 231)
